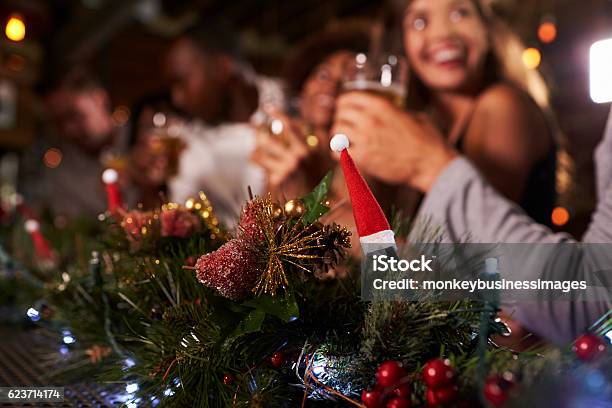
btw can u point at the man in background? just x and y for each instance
(81, 140)
(211, 82)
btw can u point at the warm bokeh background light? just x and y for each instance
(15, 29)
(547, 32)
(560, 216)
(532, 58)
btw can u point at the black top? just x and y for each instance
(540, 193)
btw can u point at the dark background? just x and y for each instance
(125, 41)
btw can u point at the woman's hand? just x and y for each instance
(280, 155)
(392, 145)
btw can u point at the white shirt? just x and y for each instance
(216, 160)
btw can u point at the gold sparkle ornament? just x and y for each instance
(294, 208)
(277, 211)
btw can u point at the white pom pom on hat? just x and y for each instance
(339, 142)
(31, 226)
(110, 176)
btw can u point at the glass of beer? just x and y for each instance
(385, 76)
(165, 140)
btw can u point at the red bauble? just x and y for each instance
(228, 379)
(589, 347)
(437, 373)
(248, 226)
(446, 395)
(496, 389)
(372, 398)
(389, 373)
(398, 402)
(278, 359)
(403, 391)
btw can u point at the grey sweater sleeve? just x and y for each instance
(468, 208)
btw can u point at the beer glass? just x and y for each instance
(385, 76)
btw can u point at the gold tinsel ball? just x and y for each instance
(277, 211)
(294, 208)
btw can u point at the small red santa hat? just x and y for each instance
(372, 225)
(41, 246)
(110, 178)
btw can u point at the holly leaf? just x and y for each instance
(313, 202)
(251, 323)
(285, 308)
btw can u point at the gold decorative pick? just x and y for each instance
(277, 211)
(289, 243)
(294, 208)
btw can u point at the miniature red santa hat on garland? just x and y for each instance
(372, 225)
(41, 246)
(110, 178)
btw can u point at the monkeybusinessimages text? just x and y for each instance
(486, 281)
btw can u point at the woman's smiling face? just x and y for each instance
(319, 92)
(446, 44)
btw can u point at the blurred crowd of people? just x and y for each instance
(437, 76)
(221, 127)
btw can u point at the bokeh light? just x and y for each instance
(52, 158)
(560, 216)
(547, 32)
(121, 115)
(312, 141)
(600, 67)
(532, 58)
(15, 29)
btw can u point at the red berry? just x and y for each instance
(190, 261)
(403, 391)
(228, 379)
(278, 359)
(496, 389)
(441, 396)
(438, 373)
(432, 400)
(588, 347)
(372, 398)
(389, 373)
(397, 402)
(446, 395)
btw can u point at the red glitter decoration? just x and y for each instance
(179, 223)
(248, 226)
(133, 223)
(232, 270)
